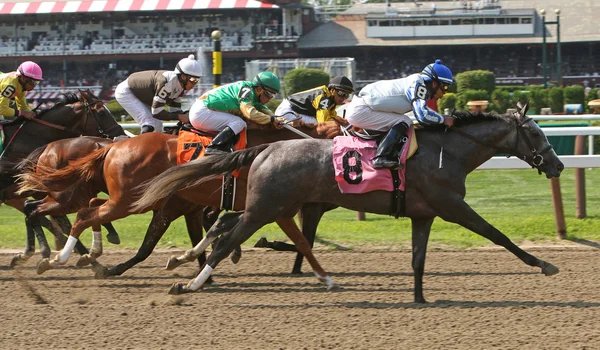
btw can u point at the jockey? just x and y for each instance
(318, 105)
(14, 85)
(220, 109)
(144, 94)
(381, 106)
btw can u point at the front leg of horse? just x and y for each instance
(96, 251)
(60, 259)
(463, 215)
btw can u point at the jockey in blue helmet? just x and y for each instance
(438, 73)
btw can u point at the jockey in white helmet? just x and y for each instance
(155, 95)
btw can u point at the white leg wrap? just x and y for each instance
(325, 279)
(64, 254)
(197, 282)
(200, 247)
(96, 243)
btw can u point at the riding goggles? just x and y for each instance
(342, 94)
(268, 93)
(32, 81)
(194, 80)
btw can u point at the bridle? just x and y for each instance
(536, 159)
(88, 111)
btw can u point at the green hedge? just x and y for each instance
(471, 95)
(301, 79)
(476, 80)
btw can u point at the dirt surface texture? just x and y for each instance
(478, 299)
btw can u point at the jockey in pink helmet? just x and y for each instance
(14, 85)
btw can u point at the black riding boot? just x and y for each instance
(147, 128)
(390, 148)
(222, 143)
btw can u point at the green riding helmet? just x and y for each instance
(268, 81)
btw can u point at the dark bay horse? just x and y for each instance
(70, 117)
(281, 179)
(127, 164)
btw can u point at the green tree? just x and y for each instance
(301, 79)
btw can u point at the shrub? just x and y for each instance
(476, 80)
(574, 94)
(301, 79)
(500, 101)
(448, 101)
(556, 99)
(470, 95)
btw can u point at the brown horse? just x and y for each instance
(127, 164)
(70, 117)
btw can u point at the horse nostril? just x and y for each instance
(560, 166)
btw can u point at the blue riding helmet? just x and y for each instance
(437, 72)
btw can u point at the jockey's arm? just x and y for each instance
(252, 113)
(21, 101)
(159, 111)
(423, 114)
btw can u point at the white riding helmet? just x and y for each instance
(189, 66)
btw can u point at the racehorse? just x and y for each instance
(129, 163)
(281, 179)
(70, 117)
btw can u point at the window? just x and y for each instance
(526, 20)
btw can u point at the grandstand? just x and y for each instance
(99, 42)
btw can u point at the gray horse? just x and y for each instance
(284, 175)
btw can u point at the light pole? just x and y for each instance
(544, 54)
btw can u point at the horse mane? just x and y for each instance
(466, 117)
(66, 99)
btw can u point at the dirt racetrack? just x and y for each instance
(480, 299)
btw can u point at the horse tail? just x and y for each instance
(192, 174)
(79, 171)
(31, 160)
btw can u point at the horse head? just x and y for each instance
(103, 123)
(532, 144)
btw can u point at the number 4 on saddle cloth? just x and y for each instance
(354, 173)
(191, 145)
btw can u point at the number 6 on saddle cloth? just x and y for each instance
(191, 145)
(354, 174)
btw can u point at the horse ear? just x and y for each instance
(522, 108)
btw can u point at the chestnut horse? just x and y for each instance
(129, 163)
(282, 180)
(70, 117)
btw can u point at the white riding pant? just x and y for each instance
(209, 120)
(359, 114)
(140, 112)
(286, 107)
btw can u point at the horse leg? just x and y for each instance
(225, 223)
(311, 214)
(194, 222)
(29, 247)
(86, 217)
(461, 213)
(97, 250)
(420, 235)
(161, 220)
(32, 220)
(65, 225)
(211, 214)
(288, 225)
(111, 233)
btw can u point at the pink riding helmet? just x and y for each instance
(30, 70)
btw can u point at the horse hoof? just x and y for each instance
(235, 258)
(178, 288)
(101, 272)
(114, 238)
(43, 266)
(296, 272)
(17, 260)
(84, 260)
(261, 243)
(335, 288)
(172, 263)
(549, 269)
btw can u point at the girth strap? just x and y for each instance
(398, 197)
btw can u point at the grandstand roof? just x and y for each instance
(37, 7)
(579, 23)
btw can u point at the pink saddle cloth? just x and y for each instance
(353, 171)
